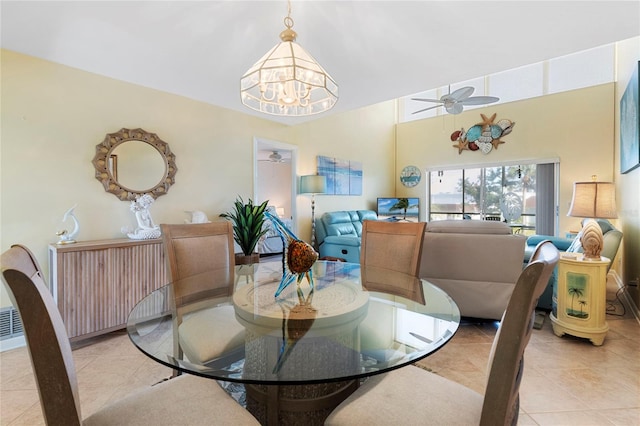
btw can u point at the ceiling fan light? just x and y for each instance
(275, 157)
(456, 108)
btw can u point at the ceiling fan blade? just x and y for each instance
(479, 100)
(460, 94)
(456, 108)
(426, 109)
(427, 100)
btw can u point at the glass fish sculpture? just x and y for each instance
(298, 259)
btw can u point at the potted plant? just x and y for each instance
(247, 220)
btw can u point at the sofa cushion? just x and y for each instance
(476, 262)
(343, 240)
(336, 217)
(340, 223)
(468, 227)
(338, 233)
(346, 222)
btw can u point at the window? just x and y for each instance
(582, 69)
(504, 192)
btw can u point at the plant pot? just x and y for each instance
(243, 259)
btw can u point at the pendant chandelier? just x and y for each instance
(287, 80)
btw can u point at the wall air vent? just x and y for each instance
(10, 323)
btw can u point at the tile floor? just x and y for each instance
(567, 381)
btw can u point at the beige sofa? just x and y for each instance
(476, 262)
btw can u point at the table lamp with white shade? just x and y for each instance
(313, 184)
(593, 200)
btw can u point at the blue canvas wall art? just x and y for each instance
(630, 125)
(344, 177)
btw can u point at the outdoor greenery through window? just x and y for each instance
(504, 193)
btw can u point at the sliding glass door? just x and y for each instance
(506, 193)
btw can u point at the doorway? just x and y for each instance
(274, 176)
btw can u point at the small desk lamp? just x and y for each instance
(313, 184)
(593, 200)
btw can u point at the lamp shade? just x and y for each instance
(313, 184)
(593, 200)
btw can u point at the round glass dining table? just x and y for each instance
(304, 351)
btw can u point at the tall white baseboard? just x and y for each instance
(12, 343)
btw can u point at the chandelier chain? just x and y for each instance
(288, 20)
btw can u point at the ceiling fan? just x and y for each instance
(454, 101)
(275, 157)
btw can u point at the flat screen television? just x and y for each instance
(399, 209)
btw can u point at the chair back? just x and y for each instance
(191, 249)
(392, 245)
(46, 337)
(501, 400)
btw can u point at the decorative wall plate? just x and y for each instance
(410, 176)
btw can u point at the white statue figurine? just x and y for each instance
(67, 237)
(146, 228)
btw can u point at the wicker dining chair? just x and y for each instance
(182, 400)
(192, 250)
(411, 395)
(392, 245)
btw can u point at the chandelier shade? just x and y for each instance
(288, 81)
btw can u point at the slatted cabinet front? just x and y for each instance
(97, 283)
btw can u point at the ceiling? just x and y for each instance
(375, 50)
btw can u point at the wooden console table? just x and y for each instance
(97, 283)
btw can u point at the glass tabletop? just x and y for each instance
(356, 322)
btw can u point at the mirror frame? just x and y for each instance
(111, 184)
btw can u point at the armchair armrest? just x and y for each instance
(561, 244)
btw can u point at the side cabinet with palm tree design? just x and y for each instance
(579, 298)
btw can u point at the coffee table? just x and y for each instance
(306, 351)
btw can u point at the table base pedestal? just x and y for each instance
(296, 404)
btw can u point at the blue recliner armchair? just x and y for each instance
(339, 233)
(612, 238)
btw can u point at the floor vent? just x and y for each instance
(10, 323)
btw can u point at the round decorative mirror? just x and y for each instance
(133, 162)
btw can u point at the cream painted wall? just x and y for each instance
(628, 184)
(575, 126)
(53, 117)
(365, 135)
